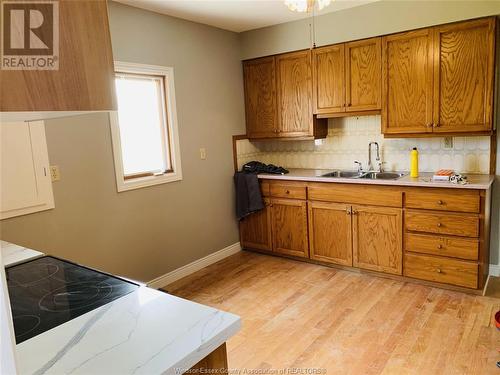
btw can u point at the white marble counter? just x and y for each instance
(13, 254)
(144, 332)
(475, 181)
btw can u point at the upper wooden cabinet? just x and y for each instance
(260, 97)
(407, 82)
(363, 75)
(463, 76)
(278, 98)
(439, 80)
(347, 77)
(329, 79)
(294, 93)
(85, 78)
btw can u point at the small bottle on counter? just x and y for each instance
(414, 163)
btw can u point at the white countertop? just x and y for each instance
(475, 181)
(13, 254)
(144, 332)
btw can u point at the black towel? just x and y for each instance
(248, 196)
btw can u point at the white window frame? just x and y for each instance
(175, 174)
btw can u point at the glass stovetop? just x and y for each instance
(46, 292)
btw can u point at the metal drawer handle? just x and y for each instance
(439, 270)
(440, 246)
(439, 224)
(440, 202)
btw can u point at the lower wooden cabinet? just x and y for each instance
(328, 223)
(377, 238)
(330, 232)
(255, 229)
(289, 227)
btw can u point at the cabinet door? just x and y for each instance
(295, 94)
(377, 238)
(25, 179)
(407, 90)
(463, 76)
(363, 75)
(330, 232)
(289, 226)
(260, 97)
(255, 229)
(85, 78)
(329, 79)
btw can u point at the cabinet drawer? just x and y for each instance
(442, 270)
(357, 194)
(465, 248)
(443, 199)
(288, 190)
(265, 188)
(442, 223)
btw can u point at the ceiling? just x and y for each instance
(235, 15)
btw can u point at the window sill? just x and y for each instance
(142, 182)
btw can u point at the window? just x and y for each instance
(144, 129)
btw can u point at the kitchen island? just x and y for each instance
(143, 332)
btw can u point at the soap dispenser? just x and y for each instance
(414, 163)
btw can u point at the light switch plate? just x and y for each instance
(203, 153)
(55, 175)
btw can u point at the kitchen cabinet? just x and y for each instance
(289, 227)
(278, 98)
(329, 79)
(330, 232)
(377, 242)
(347, 77)
(84, 80)
(443, 238)
(260, 97)
(25, 181)
(463, 76)
(407, 82)
(255, 229)
(439, 80)
(363, 75)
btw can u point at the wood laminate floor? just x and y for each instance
(300, 315)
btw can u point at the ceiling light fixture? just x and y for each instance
(306, 5)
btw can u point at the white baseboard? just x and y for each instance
(192, 267)
(494, 270)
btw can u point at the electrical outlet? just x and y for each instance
(203, 153)
(55, 175)
(448, 143)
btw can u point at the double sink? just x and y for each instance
(368, 175)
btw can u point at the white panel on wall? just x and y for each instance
(348, 140)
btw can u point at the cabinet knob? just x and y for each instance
(437, 125)
(438, 270)
(429, 125)
(349, 104)
(439, 224)
(440, 202)
(440, 246)
(287, 192)
(354, 212)
(347, 211)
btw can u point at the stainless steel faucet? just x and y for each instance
(377, 148)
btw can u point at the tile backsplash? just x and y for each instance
(348, 140)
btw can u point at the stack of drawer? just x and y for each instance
(442, 235)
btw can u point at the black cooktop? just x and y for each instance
(47, 291)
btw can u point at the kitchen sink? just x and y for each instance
(383, 175)
(367, 175)
(343, 174)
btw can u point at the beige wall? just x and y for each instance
(374, 19)
(147, 232)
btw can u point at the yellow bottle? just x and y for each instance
(414, 162)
